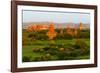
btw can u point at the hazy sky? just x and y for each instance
(57, 17)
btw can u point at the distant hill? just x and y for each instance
(57, 25)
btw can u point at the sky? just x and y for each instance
(56, 17)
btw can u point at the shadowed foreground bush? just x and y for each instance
(26, 59)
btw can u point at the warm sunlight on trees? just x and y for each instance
(29, 29)
(69, 30)
(51, 33)
(75, 31)
(81, 26)
(61, 29)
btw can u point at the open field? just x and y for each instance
(30, 52)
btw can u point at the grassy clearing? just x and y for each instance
(27, 50)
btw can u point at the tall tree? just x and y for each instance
(69, 30)
(81, 26)
(51, 33)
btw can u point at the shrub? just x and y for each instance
(80, 44)
(30, 35)
(26, 59)
(61, 49)
(38, 50)
(81, 47)
(45, 57)
(37, 59)
(46, 48)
